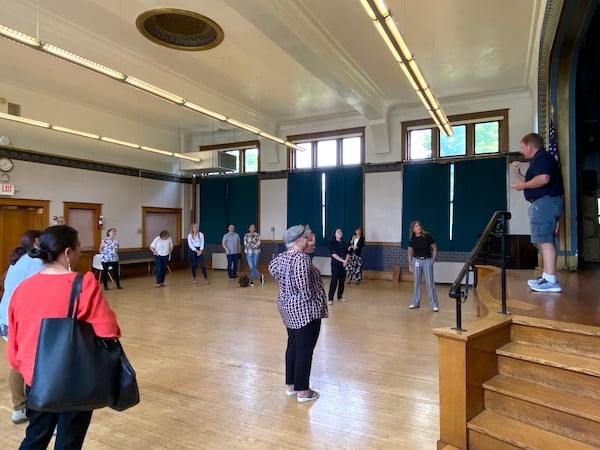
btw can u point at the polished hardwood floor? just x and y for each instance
(210, 367)
(579, 301)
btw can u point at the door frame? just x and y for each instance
(97, 212)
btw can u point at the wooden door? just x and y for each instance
(14, 221)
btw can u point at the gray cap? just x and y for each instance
(295, 232)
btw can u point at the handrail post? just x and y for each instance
(459, 298)
(503, 262)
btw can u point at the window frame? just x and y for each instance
(240, 147)
(470, 120)
(314, 138)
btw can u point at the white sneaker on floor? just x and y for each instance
(535, 281)
(546, 286)
(19, 416)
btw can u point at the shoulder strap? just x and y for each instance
(75, 291)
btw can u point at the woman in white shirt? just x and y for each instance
(161, 247)
(196, 245)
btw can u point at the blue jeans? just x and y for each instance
(72, 428)
(197, 260)
(252, 262)
(232, 264)
(161, 268)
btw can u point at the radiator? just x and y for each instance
(323, 263)
(446, 272)
(219, 261)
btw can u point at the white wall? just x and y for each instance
(383, 207)
(40, 106)
(273, 208)
(121, 196)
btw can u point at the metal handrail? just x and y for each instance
(496, 226)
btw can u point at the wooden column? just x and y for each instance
(466, 360)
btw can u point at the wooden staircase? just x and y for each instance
(547, 392)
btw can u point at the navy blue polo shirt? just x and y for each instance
(543, 163)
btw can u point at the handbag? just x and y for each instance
(74, 370)
(128, 394)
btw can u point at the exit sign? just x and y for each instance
(7, 189)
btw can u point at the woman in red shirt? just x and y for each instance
(47, 294)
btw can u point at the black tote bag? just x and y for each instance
(128, 394)
(74, 369)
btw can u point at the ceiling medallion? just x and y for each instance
(180, 29)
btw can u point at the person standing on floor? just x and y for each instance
(232, 246)
(252, 251)
(161, 248)
(339, 260)
(109, 256)
(301, 303)
(542, 186)
(46, 294)
(355, 246)
(22, 266)
(422, 251)
(196, 245)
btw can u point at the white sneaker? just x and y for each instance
(535, 281)
(19, 416)
(546, 286)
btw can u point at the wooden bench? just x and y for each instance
(148, 260)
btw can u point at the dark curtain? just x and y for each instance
(304, 200)
(227, 200)
(343, 200)
(479, 190)
(426, 197)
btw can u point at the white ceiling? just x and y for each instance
(281, 61)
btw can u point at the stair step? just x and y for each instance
(558, 336)
(570, 415)
(561, 360)
(510, 433)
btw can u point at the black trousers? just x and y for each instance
(338, 275)
(298, 355)
(72, 428)
(115, 269)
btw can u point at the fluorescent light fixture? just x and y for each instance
(24, 120)
(384, 23)
(184, 156)
(156, 150)
(19, 37)
(294, 146)
(271, 137)
(65, 55)
(80, 61)
(76, 132)
(119, 142)
(388, 41)
(202, 110)
(140, 84)
(243, 126)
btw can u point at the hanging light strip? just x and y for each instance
(96, 137)
(387, 28)
(65, 55)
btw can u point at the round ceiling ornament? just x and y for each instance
(180, 29)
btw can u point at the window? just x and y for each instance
(420, 144)
(246, 154)
(328, 149)
(474, 134)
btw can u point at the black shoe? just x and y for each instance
(106, 288)
(119, 287)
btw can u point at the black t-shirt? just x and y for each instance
(421, 245)
(543, 163)
(340, 248)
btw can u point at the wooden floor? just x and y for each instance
(210, 366)
(579, 301)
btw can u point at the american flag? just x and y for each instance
(552, 141)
